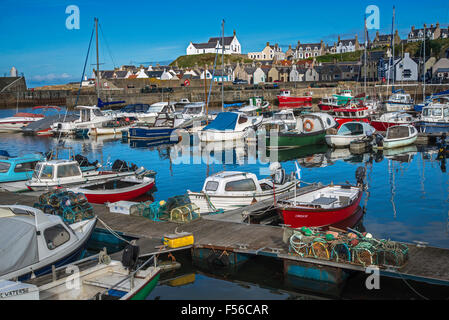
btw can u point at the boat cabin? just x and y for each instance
(436, 112)
(57, 170)
(232, 121)
(194, 109)
(162, 107)
(355, 128)
(227, 182)
(285, 93)
(19, 168)
(284, 115)
(353, 112)
(89, 113)
(400, 98)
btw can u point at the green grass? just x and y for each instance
(207, 58)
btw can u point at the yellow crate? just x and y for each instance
(178, 240)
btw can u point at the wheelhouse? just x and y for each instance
(57, 169)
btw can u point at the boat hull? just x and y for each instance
(341, 141)
(294, 102)
(301, 217)
(103, 196)
(397, 143)
(395, 106)
(432, 127)
(150, 133)
(294, 140)
(210, 136)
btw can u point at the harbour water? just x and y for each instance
(407, 199)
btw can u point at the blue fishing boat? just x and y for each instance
(434, 118)
(15, 171)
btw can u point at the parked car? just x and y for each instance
(239, 81)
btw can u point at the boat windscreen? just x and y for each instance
(4, 166)
(350, 129)
(397, 132)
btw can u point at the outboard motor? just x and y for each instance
(120, 166)
(379, 140)
(278, 173)
(130, 256)
(360, 175)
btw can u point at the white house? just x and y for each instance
(308, 50)
(141, 74)
(231, 46)
(295, 75)
(167, 75)
(405, 69)
(208, 74)
(349, 45)
(259, 76)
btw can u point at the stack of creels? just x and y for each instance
(72, 207)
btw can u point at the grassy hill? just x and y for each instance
(207, 58)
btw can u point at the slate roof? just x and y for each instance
(212, 43)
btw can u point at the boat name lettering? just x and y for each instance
(12, 293)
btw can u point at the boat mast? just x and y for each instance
(222, 65)
(391, 60)
(392, 37)
(365, 32)
(98, 63)
(424, 67)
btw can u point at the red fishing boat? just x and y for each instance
(352, 113)
(390, 119)
(288, 101)
(127, 188)
(324, 206)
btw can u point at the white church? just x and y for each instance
(231, 46)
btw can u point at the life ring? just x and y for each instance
(308, 125)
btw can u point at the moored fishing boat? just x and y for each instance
(324, 206)
(434, 118)
(310, 129)
(399, 136)
(286, 100)
(115, 126)
(229, 126)
(229, 190)
(255, 107)
(351, 113)
(399, 101)
(389, 119)
(53, 174)
(15, 171)
(17, 121)
(349, 132)
(33, 241)
(127, 188)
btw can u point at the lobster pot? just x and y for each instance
(340, 251)
(185, 213)
(392, 254)
(364, 254)
(137, 209)
(154, 210)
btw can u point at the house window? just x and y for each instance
(56, 236)
(407, 73)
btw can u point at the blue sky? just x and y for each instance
(35, 39)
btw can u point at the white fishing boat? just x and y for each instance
(228, 190)
(389, 119)
(399, 136)
(90, 117)
(435, 118)
(18, 121)
(114, 127)
(348, 132)
(54, 174)
(255, 106)
(285, 117)
(31, 241)
(229, 126)
(156, 109)
(399, 101)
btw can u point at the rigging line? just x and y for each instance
(81, 82)
(107, 45)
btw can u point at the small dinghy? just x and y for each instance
(229, 190)
(349, 132)
(127, 188)
(398, 136)
(31, 241)
(324, 206)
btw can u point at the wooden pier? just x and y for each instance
(224, 233)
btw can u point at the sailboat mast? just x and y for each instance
(222, 65)
(392, 39)
(98, 63)
(365, 32)
(424, 67)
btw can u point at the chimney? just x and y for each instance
(234, 32)
(338, 38)
(431, 26)
(289, 46)
(413, 28)
(299, 42)
(268, 44)
(437, 25)
(425, 26)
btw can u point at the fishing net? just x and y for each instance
(72, 207)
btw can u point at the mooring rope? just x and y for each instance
(112, 231)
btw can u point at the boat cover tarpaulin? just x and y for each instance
(397, 132)
(223, 121)
(228, 105)
(18, 244)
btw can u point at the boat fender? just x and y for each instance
(308, 125)
(130, 256)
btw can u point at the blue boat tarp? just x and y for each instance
(228, 105)
(4, 153)
(223, 121)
